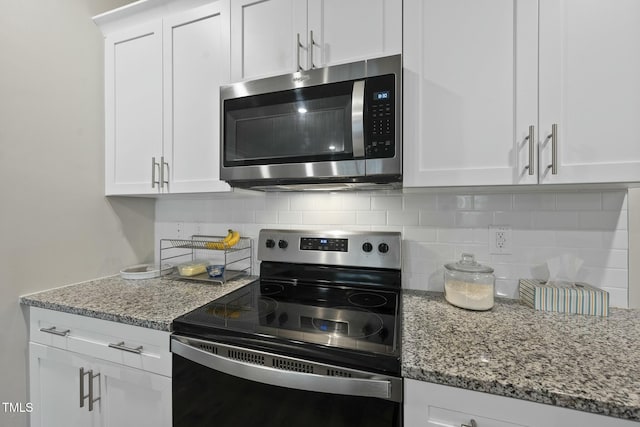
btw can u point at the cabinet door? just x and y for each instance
(470, 91)
(264, 37)
(133, 104)
(350, 30)
(589, 87)
(132, 397)
(196, 63)
(54, 387)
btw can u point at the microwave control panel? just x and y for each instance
(380, 121)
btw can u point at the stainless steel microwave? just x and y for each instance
(338, 127)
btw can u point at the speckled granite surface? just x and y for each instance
(150, 303)
(573, 361)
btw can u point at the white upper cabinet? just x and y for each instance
(162, 82)
(349, 30)
(133, 113)
(196, 63)
(464, 62)
(590, 88)
(485, 80)
(264, 37)
(274, 37)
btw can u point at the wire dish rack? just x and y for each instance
(237, 260)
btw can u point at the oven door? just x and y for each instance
(222, 385)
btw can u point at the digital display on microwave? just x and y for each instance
(377, 96)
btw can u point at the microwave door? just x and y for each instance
(301, 133)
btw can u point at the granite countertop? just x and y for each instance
(150, 303)
(580, 362)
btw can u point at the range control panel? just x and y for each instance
(324, 244)
(345, 248)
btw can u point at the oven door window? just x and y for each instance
(206, 397)
(298, 125)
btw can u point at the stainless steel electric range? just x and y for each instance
(314, 342)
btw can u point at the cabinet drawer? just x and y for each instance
(133, 346)
(441, 417)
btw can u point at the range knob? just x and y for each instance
(383, 248)
(282, 244)
(270, 243)
(367, 247)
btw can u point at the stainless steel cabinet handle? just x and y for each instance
(531, 138)
(54, 331)
(89, 395)
(312, 43)
(299, 45)
(153, 173)
(82, 395)
(121, 346)
(357, 118)
(554, 149)
(472, 423)
(92, 400)
(163, 181)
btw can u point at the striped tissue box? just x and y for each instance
(564, 297)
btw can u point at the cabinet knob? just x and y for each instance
(472, 423)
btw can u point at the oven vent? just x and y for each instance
(208, 347)
(289, 365)
(338, 373)
(245, 356)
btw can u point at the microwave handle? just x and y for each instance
(357, 118)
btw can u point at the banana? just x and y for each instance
(231, 239)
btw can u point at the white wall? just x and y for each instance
(438, 227)
(56, 227)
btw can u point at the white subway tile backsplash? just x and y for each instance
(266, 217)
(604, 220)
(289, 217)
(493, 202)
(451, 202)
(516, 220)
(470, 219)
(534, 202)
(420, 234)
(579, 239)
(329, 218)
(403, 218)
(578, 201)
(420, 202)
(390, 203)
(437, 218)
(371, 217)
(438, 227)
(555, 220)
(455, 235)
(533, 238)
(614, 200)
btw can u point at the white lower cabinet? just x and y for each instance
(434, 405)
(102, 386)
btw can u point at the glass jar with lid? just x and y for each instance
(468, 284)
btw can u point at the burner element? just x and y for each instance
(271, 289)
(367, 299)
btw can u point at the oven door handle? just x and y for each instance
(357, 119)
(388, 389)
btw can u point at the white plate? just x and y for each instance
(145, 271)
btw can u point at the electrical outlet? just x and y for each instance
(499, 239)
